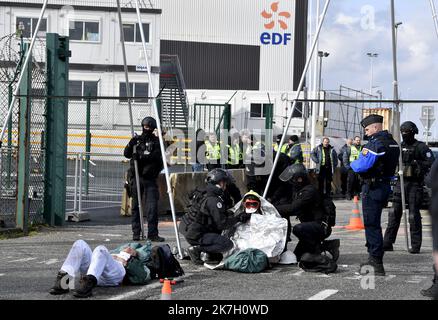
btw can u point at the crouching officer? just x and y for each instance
(148, 156)
(417, 160)
(203, 224)
(308, 206)
(376, 165)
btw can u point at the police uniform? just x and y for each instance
(376, 165)
(150, 164)
(417, 160)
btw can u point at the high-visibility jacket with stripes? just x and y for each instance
(213, 152)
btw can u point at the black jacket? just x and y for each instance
(419, 157)
(214, 219)
(306, 204)
(150, 162)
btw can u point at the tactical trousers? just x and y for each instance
(374, 198)
(310, 236)
(149, 191)
(212, 243)
(414, 198)
(353, 183)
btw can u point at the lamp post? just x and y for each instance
(372, 55)
(321, 54)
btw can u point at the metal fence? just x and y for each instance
(99, 187)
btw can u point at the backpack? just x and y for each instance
(247, 261)
(196, 205)
(317, 263)
(163, 264)
(330, 211)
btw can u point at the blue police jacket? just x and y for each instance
(379, 157)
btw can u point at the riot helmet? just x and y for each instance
(217, 175)
(151, 123)
(295, 174)
(408, 131)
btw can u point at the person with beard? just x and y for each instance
(145, 149)
(417, 160)
(307, 204)
(376, 166)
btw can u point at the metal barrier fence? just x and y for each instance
(101, 187)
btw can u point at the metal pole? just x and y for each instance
(319, 87)
(75, 199)
(315, 111)
(427, 128)
(160, 135)
(87, 145)
(434, 15)
(396, 122)
(81, 160)
(131, 121)
(300, 87)
(26, 61)
(371, 76)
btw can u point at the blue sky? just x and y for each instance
(350, 31)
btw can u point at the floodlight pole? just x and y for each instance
(300, 88)
(23, 72)
(396, 121)
(131, 122)
(160, 135)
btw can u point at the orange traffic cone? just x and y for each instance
(166, 291)
(355, 220)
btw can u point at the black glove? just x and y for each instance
(244, 217)
(133, 141)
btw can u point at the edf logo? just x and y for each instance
(274, 17)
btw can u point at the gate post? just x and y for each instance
(56, 132)
(22, 216)
(269, 121)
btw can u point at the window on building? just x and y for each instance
(137, 90)
(28, 25)
(258, 110)
(82, 89)
(132, 33)
(85, 31)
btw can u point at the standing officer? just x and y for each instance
(150, 163)
(326, 161)
(376, 165)
(254, 160)
(213, 152)
(235, 155)
(352, 154)
(294, 150)
(417, 160)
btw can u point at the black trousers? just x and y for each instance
(344, 180)
(212, 243)
(325, 178)
(414, 198)
(310, 236)
(149, 191)
(353, 183)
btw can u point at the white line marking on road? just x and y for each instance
(2, 274)
(144, 289)
(23, 260)
(51, 261)
(298, 273)
(108, 235)
(354, 278)
(390, 277)
(323, 276)
(323, 294)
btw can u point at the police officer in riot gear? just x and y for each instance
(417, 160)
(148, 156)
(307, 205)
(203, 224)
(376, 165)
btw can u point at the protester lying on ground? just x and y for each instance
(316, 215)
(207, 216)
(265, 230)
(101, 268)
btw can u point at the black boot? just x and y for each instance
(195, 255)
(60, 284)
(213, 258)
(388, 247)
(332, 247)
(432, 292)
(375, 263)
(86, 287)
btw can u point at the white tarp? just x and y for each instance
(266, 232)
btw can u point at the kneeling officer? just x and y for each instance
(207, 217)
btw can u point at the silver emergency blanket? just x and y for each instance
(266, 231)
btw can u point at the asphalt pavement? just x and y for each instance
(28, 267)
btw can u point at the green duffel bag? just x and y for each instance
(247, 261)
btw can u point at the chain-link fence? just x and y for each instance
(343, 118)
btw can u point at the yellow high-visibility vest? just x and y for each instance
(354, 152)
(213, 151)
(235, 154)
